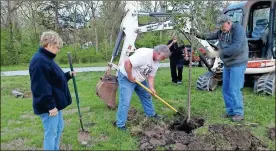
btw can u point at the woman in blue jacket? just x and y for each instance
(49, 88)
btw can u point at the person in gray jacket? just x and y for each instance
(234, 54)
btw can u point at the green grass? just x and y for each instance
(18, 120)
(26, 66)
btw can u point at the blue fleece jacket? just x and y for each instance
(48, 83)
(233, 45)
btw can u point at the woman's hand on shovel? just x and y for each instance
(73, 73)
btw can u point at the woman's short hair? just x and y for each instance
(51, 37)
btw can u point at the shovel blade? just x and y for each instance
(106, 89)
(83, 137)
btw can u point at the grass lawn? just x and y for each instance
(21, 129)
(26, 66)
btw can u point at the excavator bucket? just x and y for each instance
(106, 89)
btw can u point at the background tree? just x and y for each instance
(88, 28)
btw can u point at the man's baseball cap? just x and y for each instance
(222, 19)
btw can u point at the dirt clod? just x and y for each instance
(28, 94)
(136, 131)
(271, 133)
(131, 113)
(149, 133)
(66, 147)
(155, 142)
(180, 146)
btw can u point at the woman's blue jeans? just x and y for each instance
(53, 127)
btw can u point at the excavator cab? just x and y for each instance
(258, 29)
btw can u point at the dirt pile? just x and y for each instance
(219, 137)
(170, 136)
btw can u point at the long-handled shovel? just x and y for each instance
(83, 135)
(139, 83)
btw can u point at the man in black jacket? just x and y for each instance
(49, 89)
(176, 59)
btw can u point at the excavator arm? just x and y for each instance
(107, 86)
(130, 29)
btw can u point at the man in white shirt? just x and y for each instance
(140, 66)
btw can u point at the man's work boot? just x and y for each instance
(157, 117)
(237, 118)
(226, 116)
(122, 128)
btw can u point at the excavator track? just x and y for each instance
(207, 82)
(265, 84)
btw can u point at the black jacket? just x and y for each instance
(48, 83)
(176, 52)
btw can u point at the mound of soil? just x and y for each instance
(220, 137)
(174, 135)
(132, 114)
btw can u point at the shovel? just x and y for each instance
(167, 104)
(83, 135)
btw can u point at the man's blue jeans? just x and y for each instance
(53, 127)
(233, 82)
(126, 89)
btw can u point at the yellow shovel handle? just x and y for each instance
(156, 95)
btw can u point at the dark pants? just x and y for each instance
(176, 65)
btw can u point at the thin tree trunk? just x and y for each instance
(111, 35)
(10, 45)
(105, 41)
(56, 15)
(96, 37)
(155, 6)
(75, 32)
(190, 68)
(95, 25)
(34, 20)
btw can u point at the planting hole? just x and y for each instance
(185, 126)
